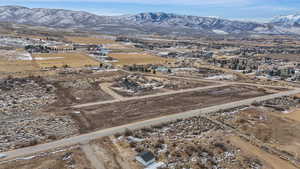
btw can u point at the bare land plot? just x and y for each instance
(109, 115)
(80, 88)
(141, 85)
(122, 48)
(290, 57)
(294, 115)
(270, 161)
(78, 92)
(74, 158)
(13, 66)
(62, 59)
(137, 58)
(196, 143)
(89, 40)
(125, 50)
(270, 128)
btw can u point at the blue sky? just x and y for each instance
(260, 10)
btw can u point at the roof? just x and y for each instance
(146, 156)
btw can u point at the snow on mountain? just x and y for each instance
(287, 21)
(194, 22)
(144, 22)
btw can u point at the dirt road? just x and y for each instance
(149, 96)
(106, 88)
(90, 155)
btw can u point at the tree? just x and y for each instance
(66, 66)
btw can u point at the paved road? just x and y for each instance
(147, 123)
(149, 96)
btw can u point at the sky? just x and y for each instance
(253, 10)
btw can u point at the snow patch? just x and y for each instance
(217, 31)
(48, 58)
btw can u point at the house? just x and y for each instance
(145, 158)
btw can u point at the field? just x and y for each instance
(17, 66)
(113, 114)
(139, 85)
(269, 160)
(268, 128)
(126, 50)
(294, 115)
(290, 57)
(137, 58)
(16, 61)
(65, 159)
(88, 40)
(195, 143)
(61, 59)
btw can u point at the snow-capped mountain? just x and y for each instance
(287, 21)
(48, 17)
(194, 22)
(159, 22)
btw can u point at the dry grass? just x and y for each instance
(17, 66)
(61, 59)
(126, 50)
(269, 160)
(294, 115)
(119, 46)
(89, 40)
(52, 161)
(137, 58)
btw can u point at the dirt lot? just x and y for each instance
(17, 66)
(272, 128)
(79, 91)
(68, 159)
(81, 87)
(197, 143)
(137, 58)
(61, 59)
(141, 85)
(270, 161)
(293, 115)
(89, 40)
(109, 154)
(290, 57)
(45, 61)
(33, 109)
(110, 115)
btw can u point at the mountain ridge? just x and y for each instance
(143, 22)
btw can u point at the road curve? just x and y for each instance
(147, 123)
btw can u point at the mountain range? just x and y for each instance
(159, 22)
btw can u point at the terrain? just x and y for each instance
(72, 98)
(139, 23)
